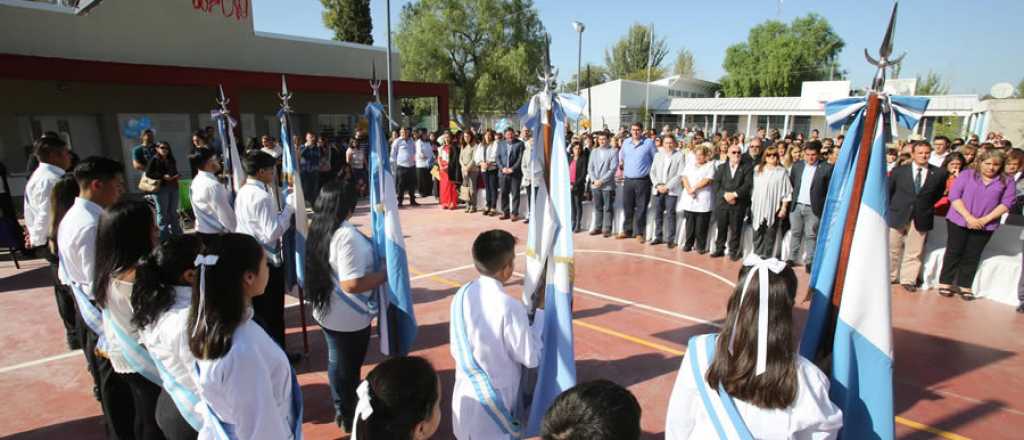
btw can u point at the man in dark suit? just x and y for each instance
(753, 155)
(913, 190)
(734, 182)
(510, 174)
(809, 178)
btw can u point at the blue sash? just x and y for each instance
(485, 393)
(134, 353)
(184, 399)
(90, 314)
(363, 305)
(224, 431)
(719, 405)
(206, 217)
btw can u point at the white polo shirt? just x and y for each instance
(351, 257)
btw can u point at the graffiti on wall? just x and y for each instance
(237, 9)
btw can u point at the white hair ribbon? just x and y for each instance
(364, 408)
(202, 261)
(759, 267)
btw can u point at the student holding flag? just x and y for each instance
(161, 298)
(340, 281)
(125, 234)
(749, 381)
(210, 199)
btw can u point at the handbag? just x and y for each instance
(148, 184)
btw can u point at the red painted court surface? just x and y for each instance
(958, 364)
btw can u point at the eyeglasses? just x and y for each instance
(734, 152)
(771, 155)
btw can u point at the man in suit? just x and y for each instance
(666, 174)
(510, 174)
(913, 190)
(734, 182)
(809, 178)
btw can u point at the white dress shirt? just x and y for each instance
(166, 340)
(351, 257)
(76, 243)
(257, 217)
(250, 387)
(403, 153)
(806, 180)
(811, 416)
(503, 342)
(914, 168)
(210, 197)
(37, 202)
(424, 153)
(937, 159)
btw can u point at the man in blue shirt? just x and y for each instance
(403, 154)
(636, 156)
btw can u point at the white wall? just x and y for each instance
(604, 105)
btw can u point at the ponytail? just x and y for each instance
(402, 393)
(156, 276)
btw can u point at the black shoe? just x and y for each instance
(702, 251)
(717, 254)
(671, 245)
(607, 234)
(1020, 308)
(735, 257)
(909, 287)
(687, 248)
(596, 232)
(74, 344)
(294, 358)
(414, 203)
(656, 242)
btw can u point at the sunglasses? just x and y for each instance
(734, 152)
(771, 155)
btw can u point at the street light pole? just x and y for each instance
(579, 27)
(391, 99)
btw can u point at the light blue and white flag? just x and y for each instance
(232, 163)
(549, 251)
(290, 169)
(396, 320)
(860, 342)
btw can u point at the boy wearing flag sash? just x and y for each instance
(749, 381)
(210, 200)
(492, 341)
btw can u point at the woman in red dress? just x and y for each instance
(449, 171)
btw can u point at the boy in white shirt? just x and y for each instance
(492, 341)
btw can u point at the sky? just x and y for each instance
(973, 44)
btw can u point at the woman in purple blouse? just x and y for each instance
(978, 198)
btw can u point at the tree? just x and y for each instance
(685, 66)
(931, 85)
(349, 19)
(777, 58)
(598, 75)
(488, 51)
(628, 58)
(1020, 89)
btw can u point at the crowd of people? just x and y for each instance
(183, 334)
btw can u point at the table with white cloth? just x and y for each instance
(1000, 268)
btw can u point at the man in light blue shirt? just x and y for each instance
(403, 154)
(636, 156)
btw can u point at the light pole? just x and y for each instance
(579, 27)
(391, 99)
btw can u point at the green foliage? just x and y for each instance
(628, 58)
(486, 50)
(598, 75)
(777, 58)
(685, 65)
(349, 19)
(1020, 89)
(947, 126)
(931, 84)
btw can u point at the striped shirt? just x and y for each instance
(771, 188)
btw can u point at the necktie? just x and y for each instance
(917, 181)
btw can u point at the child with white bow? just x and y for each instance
(748, 381)
(399, 400)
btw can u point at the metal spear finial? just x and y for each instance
(884, 52)
(548, 72)
(374, 82)
(285, 95)
(222, 100)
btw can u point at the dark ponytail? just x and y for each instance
(403, 393)
(158, 273)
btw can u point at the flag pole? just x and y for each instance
(286, 97)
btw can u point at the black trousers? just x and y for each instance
(765, 237)
(144, 398)
(577, 209)
(636, 193)
(346, 352)
(115, 394)
(406, 182)
(66, 309)
(491, 188)
(696, 229)
(604, 210)
(963, 254)
(424, 181)
(171, 423)
(510, 188)
(729, 221)
(269, 307)
(665, 217)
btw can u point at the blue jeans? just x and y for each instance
(345, 354)
(166, 201)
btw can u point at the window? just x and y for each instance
(769, 122)
(661, 120)
(801, 124)
(626, 118)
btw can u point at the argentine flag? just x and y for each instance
(397, 320)
(549, 250)
(296, 273)
(859, 337)
(232, 163)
